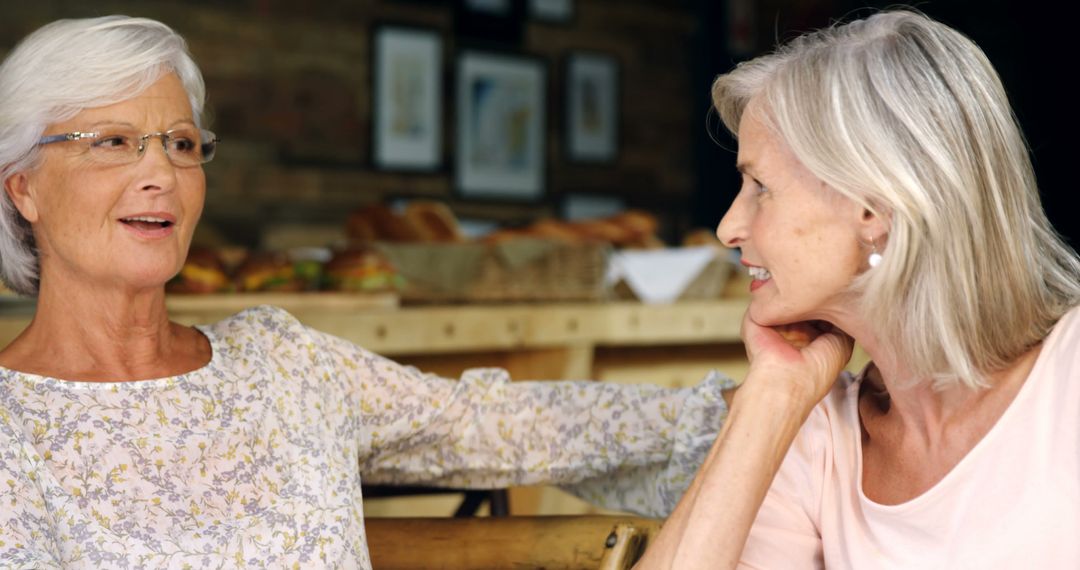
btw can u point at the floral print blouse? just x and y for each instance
(256, 459)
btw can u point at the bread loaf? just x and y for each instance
(433, 222)
(379, 223)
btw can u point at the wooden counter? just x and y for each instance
(441, 334)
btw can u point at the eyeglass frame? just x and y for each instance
(164, 136)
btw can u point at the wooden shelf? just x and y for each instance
(213, 308)
(442, 329)
(377, 323)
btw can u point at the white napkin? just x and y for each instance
(659, 275)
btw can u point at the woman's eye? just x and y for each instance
(106, 142)
(183, 145)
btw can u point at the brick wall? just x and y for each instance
(290, 90)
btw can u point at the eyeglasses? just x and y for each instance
(185, 146)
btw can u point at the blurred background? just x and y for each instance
(293, 88)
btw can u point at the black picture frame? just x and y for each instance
(501, 126)
(592, 107)
(407, 114)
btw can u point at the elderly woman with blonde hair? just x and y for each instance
(887, 193)
(129, 441)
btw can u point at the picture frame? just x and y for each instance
(551, 11)
(592, 107)
(407, 112)
(501, 126)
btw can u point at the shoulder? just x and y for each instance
(826, 431)
(261, 324)
(267, 330)
(833, 411)
(1059, 355)
(1065, 336)
(266, 317)
(1059, 359)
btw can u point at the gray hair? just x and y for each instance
(907, 117)
(52, 75)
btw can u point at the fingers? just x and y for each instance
(821, 340)
(832, 349)
(798, 335)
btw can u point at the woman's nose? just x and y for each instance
(156, 167)
(733, 228)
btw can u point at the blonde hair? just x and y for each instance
(59, 70)
(907, 117)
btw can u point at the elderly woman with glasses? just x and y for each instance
(128, 441)
(888, 192)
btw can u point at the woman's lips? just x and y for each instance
(760, 276)
(149, 230)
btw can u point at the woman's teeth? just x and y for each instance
(146, 222)
(760, 273)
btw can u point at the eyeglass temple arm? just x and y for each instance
(62, 137)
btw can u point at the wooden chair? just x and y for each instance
(472, 499)
(551, 542)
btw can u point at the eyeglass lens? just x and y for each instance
(184, 146)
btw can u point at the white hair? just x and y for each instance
(52, 75)
(907, 117)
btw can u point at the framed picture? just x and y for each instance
(559, 11)
(407, 109)
(592, 107)
(500, 126)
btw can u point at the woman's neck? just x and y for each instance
(89, 331)
(913, 435)
(918, 406)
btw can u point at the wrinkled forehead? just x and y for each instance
(160, 106)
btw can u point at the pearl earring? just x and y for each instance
(875, 258)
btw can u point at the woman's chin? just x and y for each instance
(144, 280)
(768, 315)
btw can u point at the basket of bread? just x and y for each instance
(546, 261)
(421, 254)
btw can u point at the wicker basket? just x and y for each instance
(525, 270)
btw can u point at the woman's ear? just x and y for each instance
(17, 187)
(872, 224)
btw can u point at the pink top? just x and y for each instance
(1012, 502)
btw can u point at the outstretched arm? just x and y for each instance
(626, 447)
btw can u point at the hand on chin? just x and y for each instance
(803, 358)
